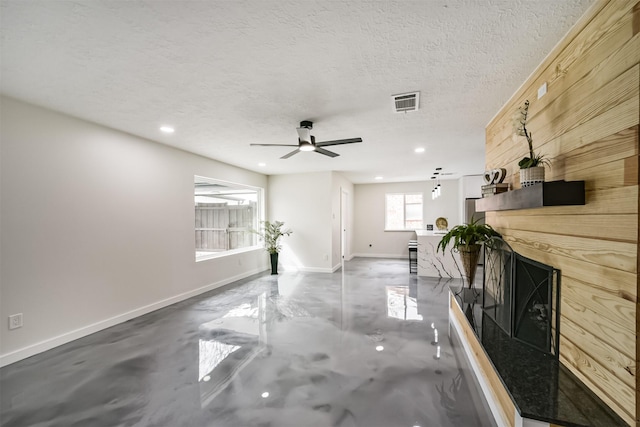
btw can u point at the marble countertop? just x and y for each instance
(434, 263)
(429, 233)
(540, 386)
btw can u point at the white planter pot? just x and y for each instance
(531, 176)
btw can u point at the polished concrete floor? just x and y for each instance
(365, 346)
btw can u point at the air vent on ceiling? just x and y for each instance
(406, 102)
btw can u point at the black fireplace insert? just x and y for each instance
(522, 296)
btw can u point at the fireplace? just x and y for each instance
(522, 296)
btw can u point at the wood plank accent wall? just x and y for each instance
(587, 123)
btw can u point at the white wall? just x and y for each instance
(97, 228)
(369, 204)
(304, 203)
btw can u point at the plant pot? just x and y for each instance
(531, 176)
(274, 263)
(469, 260)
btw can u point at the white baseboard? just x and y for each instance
(32, 350)
(381, 256)
(526, 422)
(315, 270)
(320, 269)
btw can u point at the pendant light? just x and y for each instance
(437, 188)
(434, 192)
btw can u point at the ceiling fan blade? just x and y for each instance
(338, 142)
(286, 156)
(274, 145)
(326, 152)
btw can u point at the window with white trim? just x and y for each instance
(225, 215)
(403, 211)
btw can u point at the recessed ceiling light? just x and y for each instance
(265, 395)
(262, 164)
(167, 129)
(379, 348)
(378, 178)
(419, 150)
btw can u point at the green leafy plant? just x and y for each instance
(521, 129)
(271, 233)
(467, 235)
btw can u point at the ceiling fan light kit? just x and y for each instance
(306, 146)
(307, 142)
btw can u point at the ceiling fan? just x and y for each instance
(307, 142)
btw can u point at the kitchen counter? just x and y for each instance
(432, 263)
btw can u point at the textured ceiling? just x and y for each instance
(230, 73)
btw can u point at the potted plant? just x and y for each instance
(271, 233)
(467, 240)
(531, 167)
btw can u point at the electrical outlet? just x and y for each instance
(15, 321)
(542, 90)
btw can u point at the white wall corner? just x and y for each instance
(393, 256)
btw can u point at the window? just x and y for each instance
(403, 211)
(225, 214)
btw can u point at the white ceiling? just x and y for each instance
(229, 73)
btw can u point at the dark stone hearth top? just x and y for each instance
(539, 385)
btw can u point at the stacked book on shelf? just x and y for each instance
(491, 189)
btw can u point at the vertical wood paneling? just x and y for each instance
(587, 124)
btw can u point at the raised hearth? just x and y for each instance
(539, 386)
(510, 332)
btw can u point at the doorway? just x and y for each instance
(344, 216)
